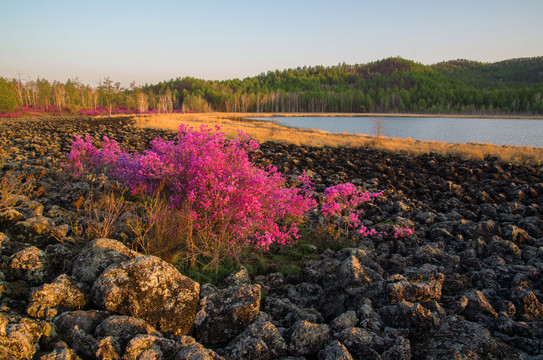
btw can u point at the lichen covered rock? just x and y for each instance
(97, 256)
(223, 314)
(48, 300)
(149, 288)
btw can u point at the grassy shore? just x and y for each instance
(262, 131)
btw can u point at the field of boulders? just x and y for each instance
(466, 285)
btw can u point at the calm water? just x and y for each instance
(520, 132)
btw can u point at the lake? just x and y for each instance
(520, 132)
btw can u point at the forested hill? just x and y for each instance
(392, 85)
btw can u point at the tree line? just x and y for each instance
(392, 85)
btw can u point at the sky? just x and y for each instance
(153, 41)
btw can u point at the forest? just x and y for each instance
(392, 85)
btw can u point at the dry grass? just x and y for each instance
(17, 189)
(267, 131)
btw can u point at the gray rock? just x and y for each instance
(260, 341)
(48, 300)
(308, 338)
(285, 313)
(224, 314)
(10, 216)
(35, 230)
(335, 351)
(478, 306)
(59, 214)
(240, 277)
(368, 318)
(29, 264)
(270, 281)
(153, 347)
(97, 256)
(60, 257)
(108, 348)
(412, 316)
(149, 288)
(197, 352)
(345, 320)
(19, 336)
(426, 217)
(77, 328)
(516, 234)
(123, 328)
(350, 273)
(360, 342)
(505, 249)
(527, 304)
(461, 339)
(61, 352)
(418, 287)
(401, 350)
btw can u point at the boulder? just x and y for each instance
(108, 348)
(197, 351)
(308, 338)
(146, 346)
(35, 230)
(478, 306)
(412, 316)
(361, 342)
(29, 264)
(285, 313)
(10, 216)
(61, 352)
(346, 320)
(335, 351)
(149, 288)
(418, 285)
(77, 328)
(119, 329)
(48, 300)
(527, 304)
(97, 256)
(401, 350)
(259, 341)
(240, 277)
(19, 336)
(223, 314)
(461, 339)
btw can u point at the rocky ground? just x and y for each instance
(467, 285)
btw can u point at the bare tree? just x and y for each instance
(142, 103)
(59, 95)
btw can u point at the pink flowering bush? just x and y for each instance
(231, 204)
(342, 210)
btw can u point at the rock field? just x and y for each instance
(467, 285)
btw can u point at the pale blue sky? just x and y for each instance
(151, 41)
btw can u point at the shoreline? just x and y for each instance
(262, 131)
(534, 117)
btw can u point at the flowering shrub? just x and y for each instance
(231, 204)
(342, 210)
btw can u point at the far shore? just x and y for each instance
(262, 131)
(381, 115)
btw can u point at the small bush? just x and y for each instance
(342, 208)
(222, 203)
